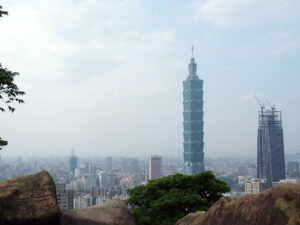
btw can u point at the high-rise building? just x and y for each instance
(64, 197)
(103, 180)
(89, 181)
(111, 180)
(108, 163)
(92, 169)
(155, 167)
(293, 168)
(73, 163)
(133, 166)
(270, 146)
(193, 121)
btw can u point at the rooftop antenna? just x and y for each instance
(262, 106)
(72, 152)
(192, 51)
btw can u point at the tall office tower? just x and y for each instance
(111, 180)
(108, 163)
(270, 147)
(89, 181)
(155, 167)
(193, 121)
(293, 168)
(92, 169)
(73, 163)
(103, 180)
(133, 166)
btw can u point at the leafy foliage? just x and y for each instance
(2, 12)
(164, 201)
(9, 92)
(2, 143)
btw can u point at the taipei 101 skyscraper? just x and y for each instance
(193, 121)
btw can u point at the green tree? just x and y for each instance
(2, 12)
(9, 91)
(164, 201)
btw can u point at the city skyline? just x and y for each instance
(108, 82)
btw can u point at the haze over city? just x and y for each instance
(105, 77)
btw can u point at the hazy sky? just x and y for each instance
(105, 77)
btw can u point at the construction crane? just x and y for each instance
(271, 105)
(262, 106)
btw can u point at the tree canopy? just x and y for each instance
(2, 12)
(9, 91)
(164, 201)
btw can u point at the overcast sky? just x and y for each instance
(105, 77)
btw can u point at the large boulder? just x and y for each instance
(114, 212)
(277, 206)
(29, 200)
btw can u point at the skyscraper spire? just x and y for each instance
(192, 51)
(192, 65)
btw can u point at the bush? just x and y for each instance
(164, 201)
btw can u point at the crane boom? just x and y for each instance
(262, 106)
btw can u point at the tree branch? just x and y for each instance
(2, 12)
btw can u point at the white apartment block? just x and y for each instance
(64, 197)
(255, 186)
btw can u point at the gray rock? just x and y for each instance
(29, 200)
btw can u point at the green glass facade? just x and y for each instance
(193, 122)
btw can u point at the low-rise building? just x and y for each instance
(288, 181)
(255, 186)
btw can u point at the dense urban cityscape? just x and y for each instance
(83, 182)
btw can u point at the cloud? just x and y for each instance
(250, 98)
(105, 77)
(278, 42)
(232, 13)
(89, 73)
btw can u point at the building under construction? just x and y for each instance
(270, 146)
